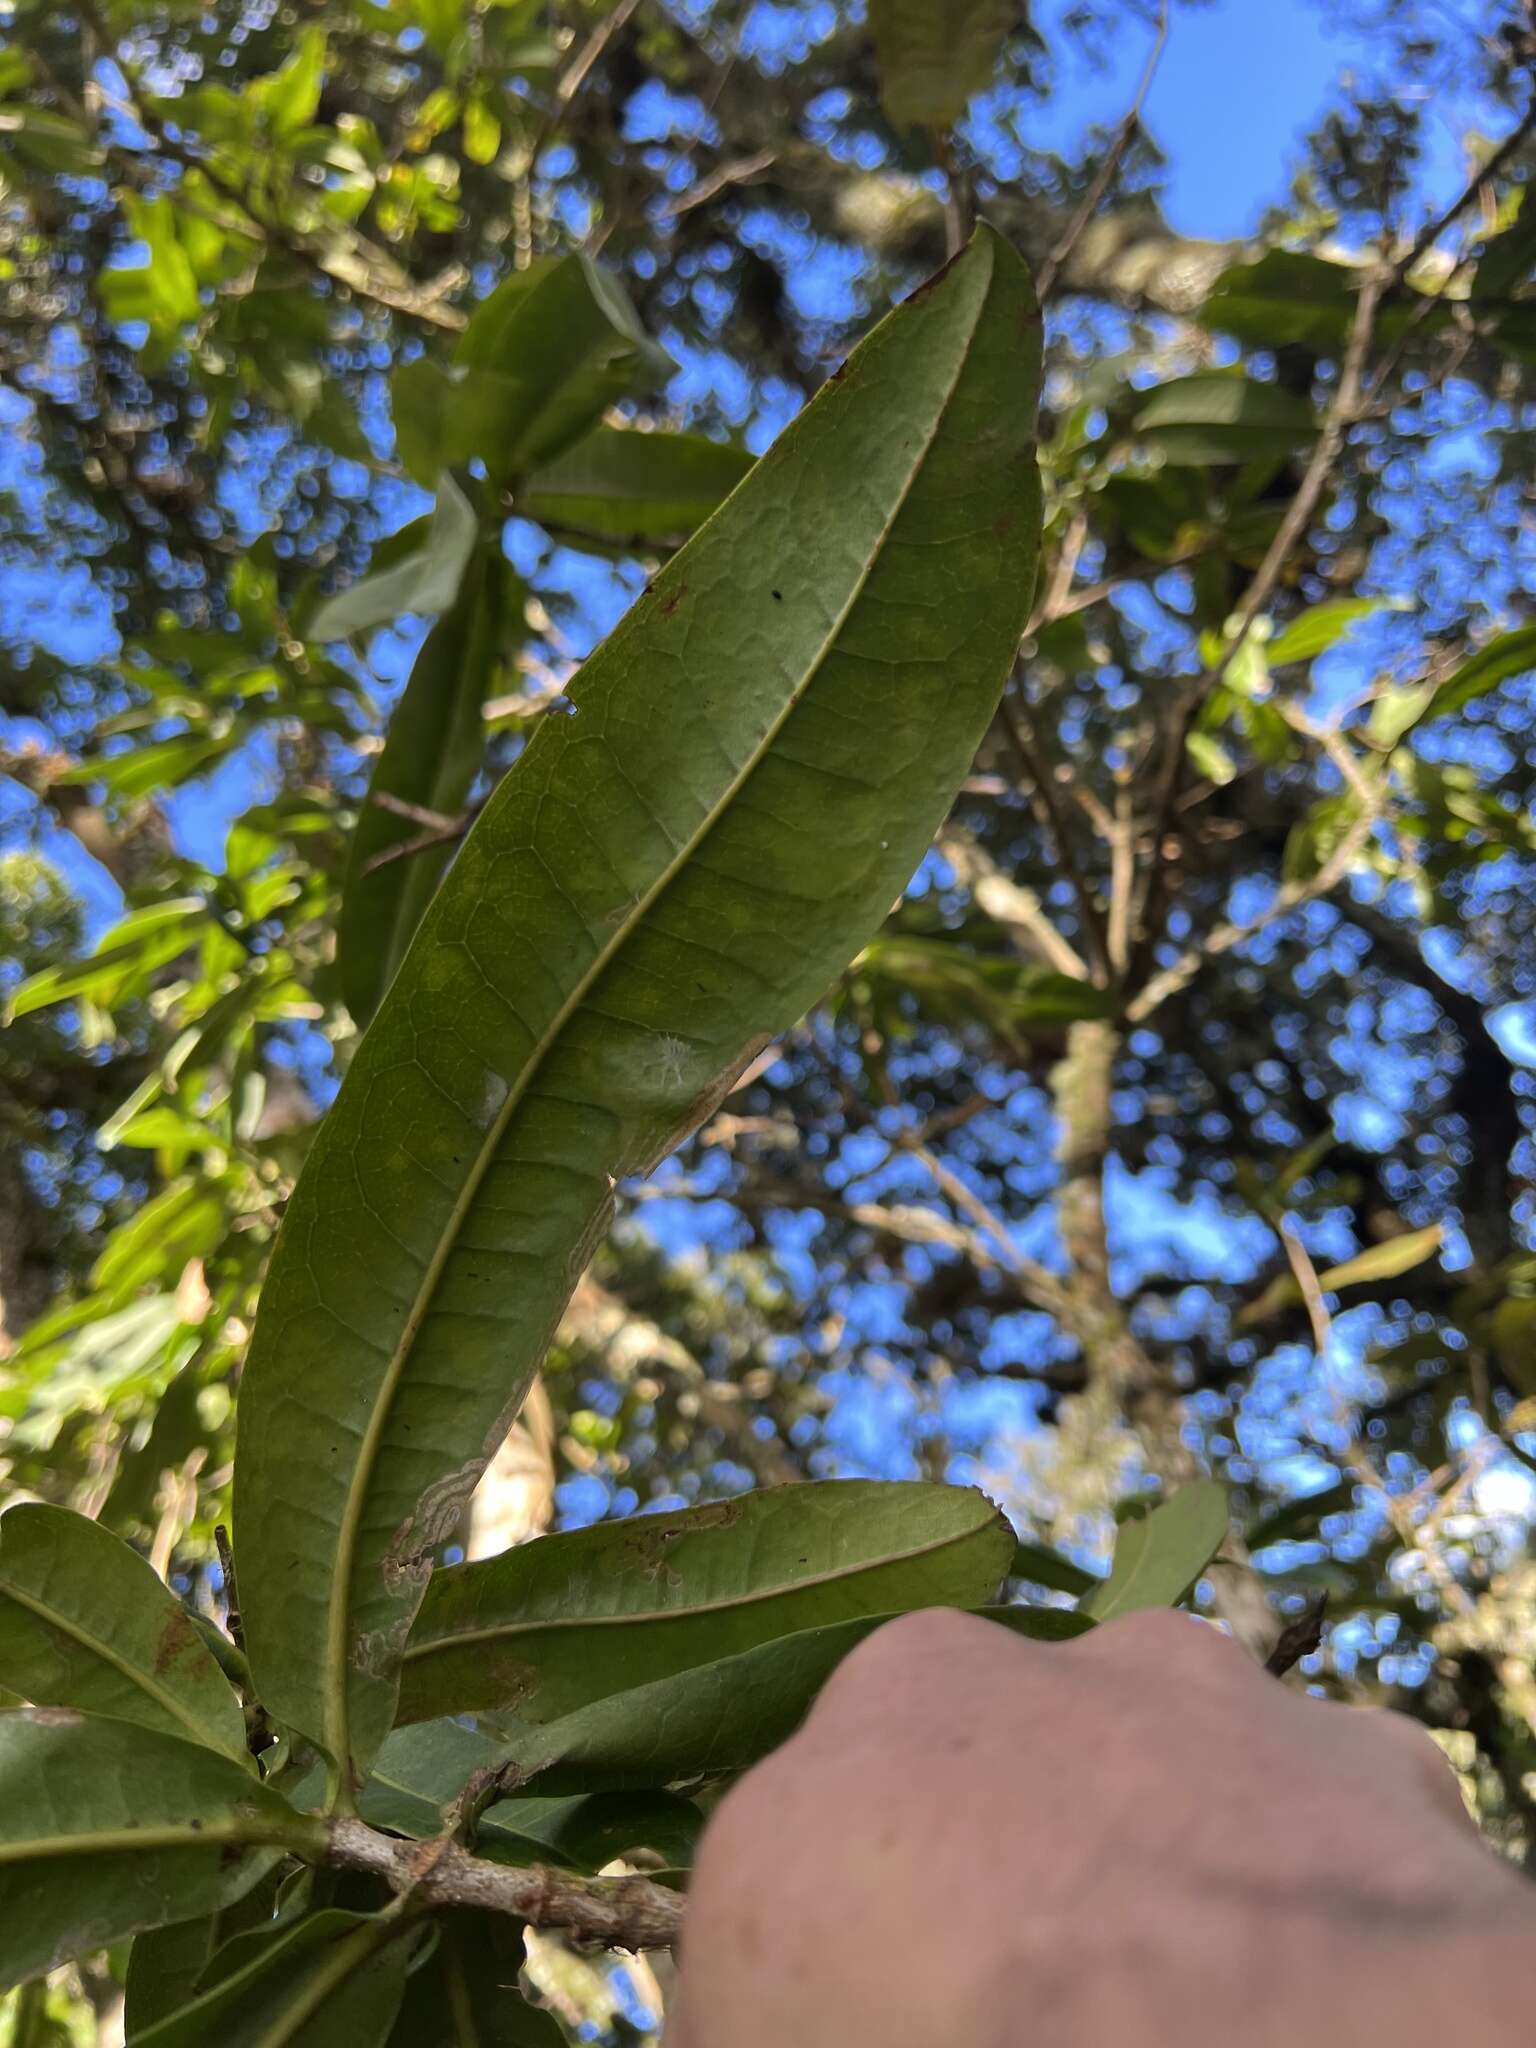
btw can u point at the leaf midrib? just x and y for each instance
(338, 1727)
(756, 1598)
(171, 1835)
(135, 1674)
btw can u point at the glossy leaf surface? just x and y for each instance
(547, 1627)
(85, 1622)
(757, 758)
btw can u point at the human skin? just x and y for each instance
(1138, 1836)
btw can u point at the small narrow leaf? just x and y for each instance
(1159, 1556)
(627, 489)
(433, 752)
(934, 58)
(85, 1622)
(757, 759)
(559, 1622)
(107, 1829)
(1222, 416)
(1320, 627)
(1506, 655)
(1386, 1260)
(426, 579)
(332, 1980)
(1044, 1567)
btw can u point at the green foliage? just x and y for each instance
(622, 858)
(298, 319)
(545, 1629)
(85, 1623)
(1159, 1556)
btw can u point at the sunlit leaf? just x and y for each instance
(1158, 1557)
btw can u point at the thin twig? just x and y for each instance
(1042, 797)
(1102, 178)
(1429, 235)
(402, 807)
(1397, 1508)
(1288, 897)
(1340, 416)
(232, 1614)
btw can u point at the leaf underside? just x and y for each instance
(757, 759)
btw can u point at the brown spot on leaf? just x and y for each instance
(175, 1638)
(674, 601)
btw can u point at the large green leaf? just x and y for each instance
(433, 752)
(547, 1627)
(539, 363)
(106, 1829)
(933, 58)
(1222, 416)
(426, 578)
(710, 1720)
(465, 1995)
(627, 489)
(85, 1622)
(756, 760)
(332, 1980)
(1159, 1556)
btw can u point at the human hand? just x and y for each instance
(1137, 1835)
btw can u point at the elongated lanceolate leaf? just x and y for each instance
(756, 759)
(333, 1980)
(433, 753)
(626, 489)
(546, 1628)
(84, 1622)
(106, 1829)
(713, 1719)
(1159, 1556)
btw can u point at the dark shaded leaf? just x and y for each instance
(558, 1622)
(332, 1980)
(433, 752)
(539, 363)
(1222, 416)
(465, 1994)
(933, 59)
